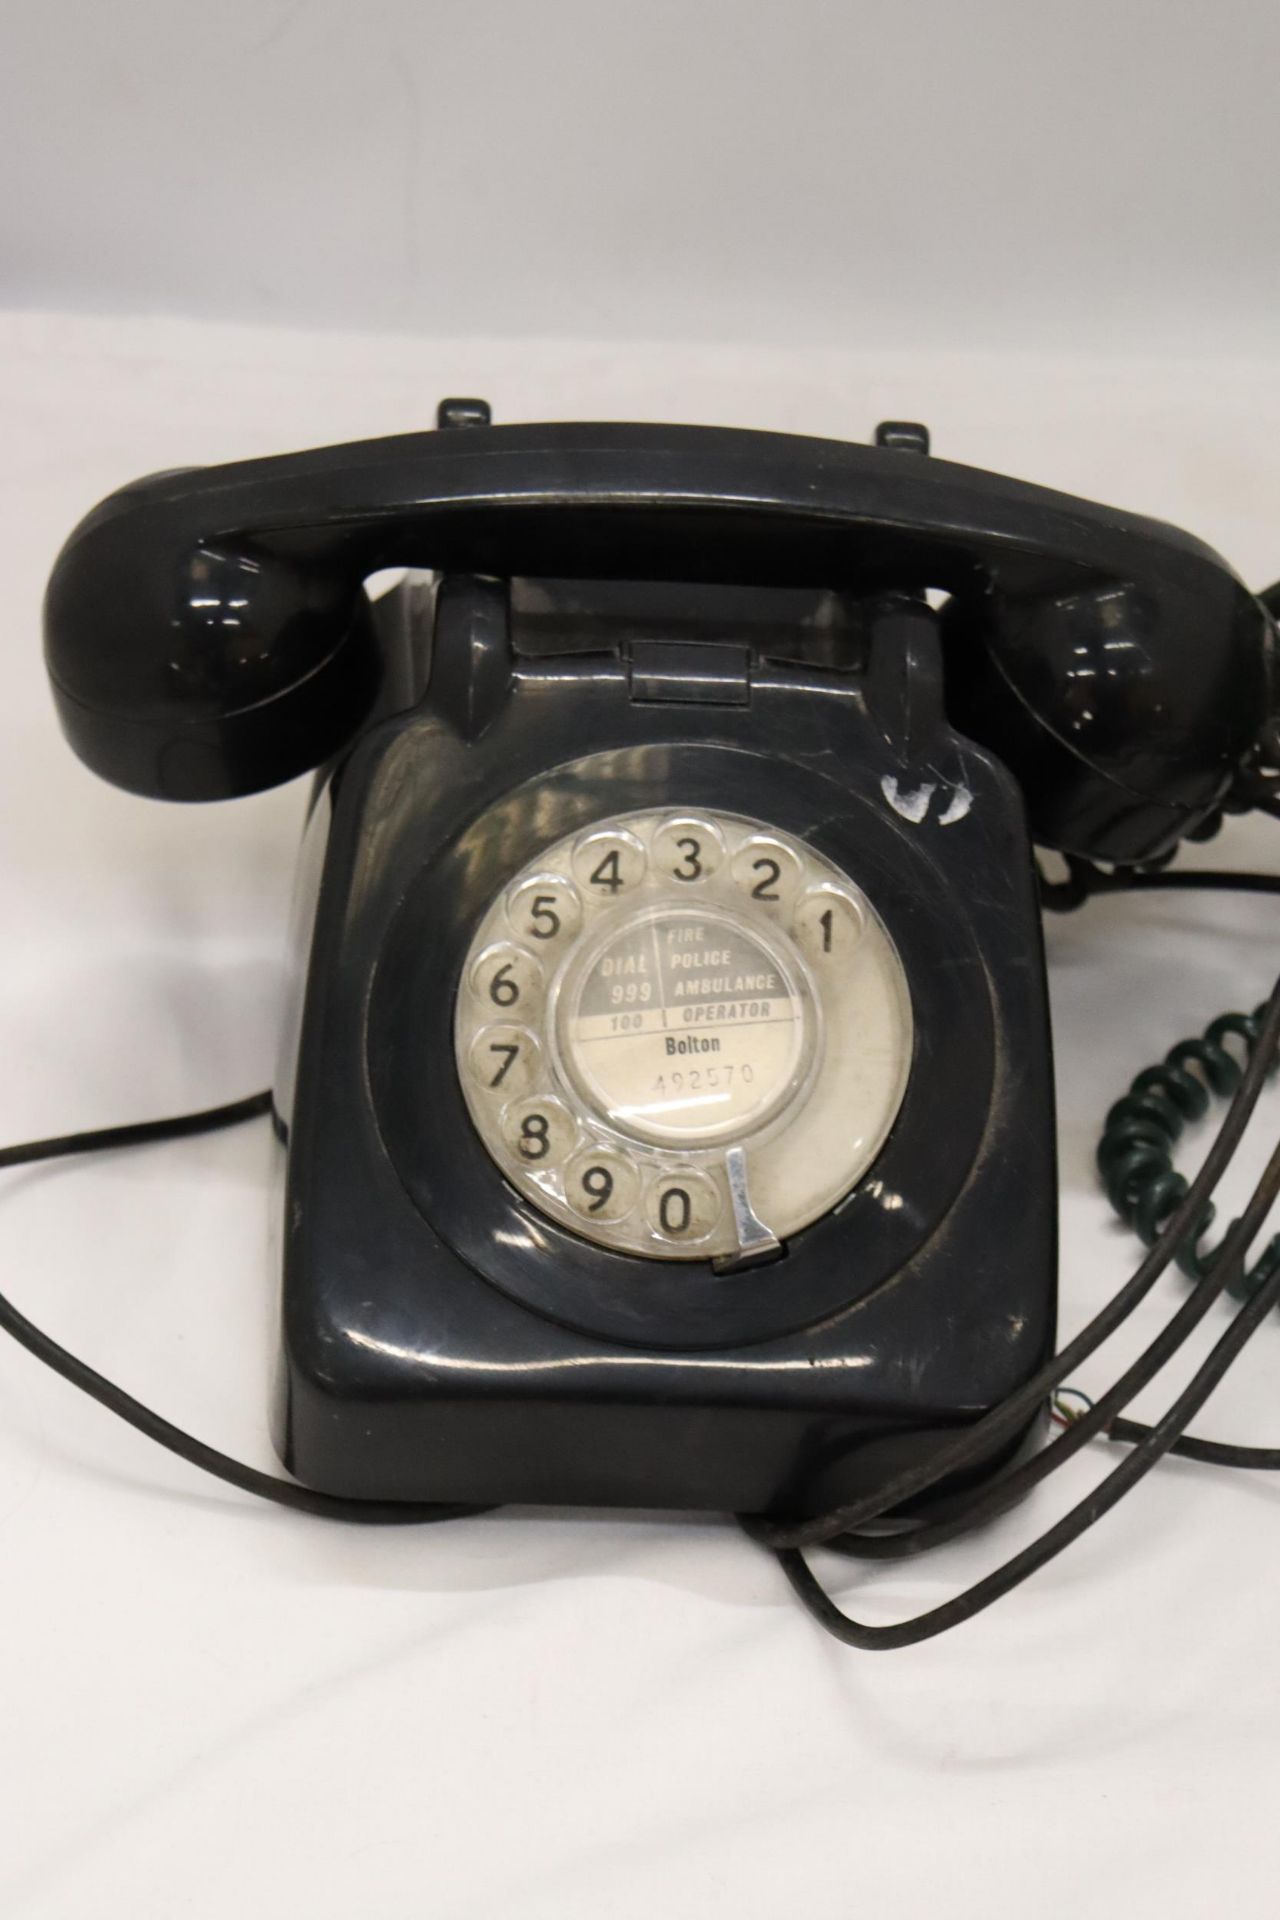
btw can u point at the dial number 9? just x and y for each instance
(601, 1184)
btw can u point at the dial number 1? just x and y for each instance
(828, 925)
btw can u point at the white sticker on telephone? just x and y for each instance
(685, 1026)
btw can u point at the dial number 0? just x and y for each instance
(684, 1205)
(675, 1210)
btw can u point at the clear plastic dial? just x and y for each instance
(684, 1035)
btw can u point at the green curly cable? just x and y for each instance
(1135, 1153)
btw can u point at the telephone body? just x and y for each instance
(667, 1084)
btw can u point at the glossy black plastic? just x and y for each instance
(627, 616)
(207, 633)
(441, 1339)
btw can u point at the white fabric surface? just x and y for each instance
(213, 1708)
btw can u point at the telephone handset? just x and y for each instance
(207, 633)
(667, 1095)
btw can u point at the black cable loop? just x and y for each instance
(1142, 1129)
(974, 1444)
(236, 1473)
(1135, 1153)
(1156, 1441)
(1085, 880)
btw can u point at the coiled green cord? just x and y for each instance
(1135, 1154)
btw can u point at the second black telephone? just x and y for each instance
(667, 1094)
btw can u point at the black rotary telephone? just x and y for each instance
(667, 1090)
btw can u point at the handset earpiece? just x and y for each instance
(192, 666)
(207, 634)
(1125, 720)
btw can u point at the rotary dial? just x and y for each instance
(683, 1035)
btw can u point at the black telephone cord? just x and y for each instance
(1213, 1453)
(839, 1528)
(1182, 1228)
(1154, 1445)
(269, 1486)
(948, 1519)
(289, 1493)
(969, 1448)
(1085, 880)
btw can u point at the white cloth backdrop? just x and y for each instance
(211, 1707)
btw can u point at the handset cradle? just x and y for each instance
(207, 634)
